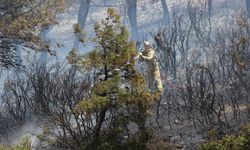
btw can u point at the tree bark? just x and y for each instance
(210, 7)
(44, 50)
(18, 56)
(132, 15)
(82, 16)
(248, 7)
(165, 11)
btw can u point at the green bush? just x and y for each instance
(25, 144)
(240, 141)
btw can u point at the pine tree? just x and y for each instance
(21, 20)
(113, 105)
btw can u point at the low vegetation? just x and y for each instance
(25, 144)
(237, 141)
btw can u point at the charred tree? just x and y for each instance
(82, 16)
(248, 6)
(165, 11)
(132, 15)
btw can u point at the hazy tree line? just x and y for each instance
(209, 68)
(205, 70)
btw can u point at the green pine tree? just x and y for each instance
(112, 106)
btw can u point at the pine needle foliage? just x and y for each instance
(238, 141)
(115, 106)
(21, 22)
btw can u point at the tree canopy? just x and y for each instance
(21, 22)
(110, 102)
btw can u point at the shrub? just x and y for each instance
(25, 144)
(240, 141)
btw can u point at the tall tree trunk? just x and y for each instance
(101, 117)
(82, 16)
(165, 11)
(132, 15)
(105, 2)
(209, 10)
(248, 7)
(210, 7)
(18, 56)
(44, 51)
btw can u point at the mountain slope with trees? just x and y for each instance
(99, 99)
